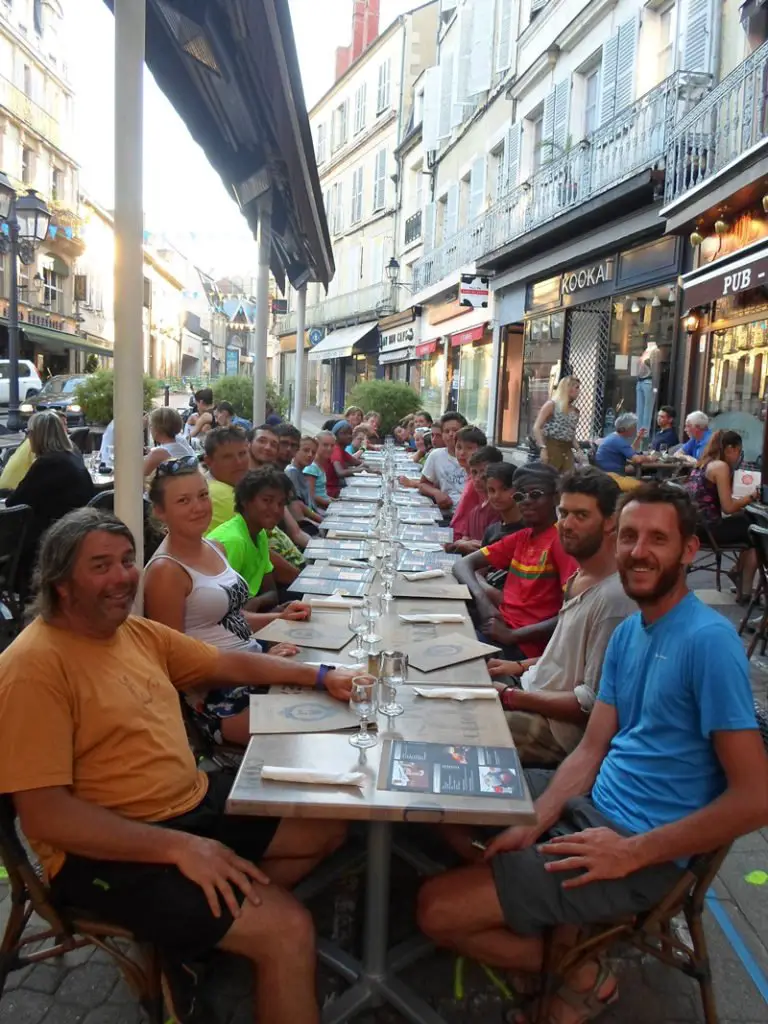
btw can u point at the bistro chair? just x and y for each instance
(759, 537)
(711, 554)
(64, 930)
(14, 523)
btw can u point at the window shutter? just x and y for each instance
(446, 96)
(481, 52)
(505, 35)
(360, 108)
(626, 64)
(510, 172)
(380, 181)
(548, 127)
(353, 269)
(382, 95)
(562, 106)
(339, 208)
(451, 225)
(697, 43)
(431, 119)
(608, 79)
(429, 227)
(377, 261)
(462, 64)
(477, 188)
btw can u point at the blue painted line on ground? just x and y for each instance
(740, 948)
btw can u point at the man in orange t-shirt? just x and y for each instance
(96, 758)
(537, 571)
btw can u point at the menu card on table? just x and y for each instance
(302, 712)
(431, 589)
(305, 634)
(365, 526)
(336, 549)
(360, 494)
(419, 561)
(434, 534)
(450, 649)
(318, 585)
(349, 574)
(451, 770)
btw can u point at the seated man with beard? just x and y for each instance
(671, 765)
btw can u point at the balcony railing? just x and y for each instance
(634, 140)
(729, 121)
(31, 113)
(349, 306)
(413, 228)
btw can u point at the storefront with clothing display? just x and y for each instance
(726, 324)
(612, 324)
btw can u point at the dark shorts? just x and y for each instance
(155, 901)
(533, 899)
(730, 530)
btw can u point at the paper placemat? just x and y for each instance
(305, 634)
(306, 712)
(451, 649)
(435, 589)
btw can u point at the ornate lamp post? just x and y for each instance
(24, 221)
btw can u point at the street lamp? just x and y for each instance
(25, 220)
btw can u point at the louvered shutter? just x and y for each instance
(512, 151)
(477, 188)
(562, 106)
(505, 35)
(547, 128)
(462, 63)
(339, 207)
(608, 79)
(446, 96)
(430, 221)
(481, 54)
(451, 225)
(380, 181)
(626, 64)
(697, 43)
(431, 118)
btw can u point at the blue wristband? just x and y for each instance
(322, 672)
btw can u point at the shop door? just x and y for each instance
(587, 334)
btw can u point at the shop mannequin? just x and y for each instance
(644, 387)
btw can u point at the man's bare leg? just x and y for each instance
(299, 846)
(278, 938)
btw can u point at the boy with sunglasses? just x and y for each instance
(537, 571)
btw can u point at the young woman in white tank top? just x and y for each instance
(190, 586)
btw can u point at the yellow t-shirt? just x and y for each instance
(17, 467)
(102, 717)
(223, 502)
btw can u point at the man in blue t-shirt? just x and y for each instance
(671, 765)
(667, 432)
(620, 447)
(697, 429)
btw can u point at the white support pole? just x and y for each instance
(298, 394)
(130, 24)
(493, 389)
(446, 372)
(264, 206)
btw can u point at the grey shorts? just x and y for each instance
(534, 900)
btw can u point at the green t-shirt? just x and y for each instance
(223, 502)
(248, 557)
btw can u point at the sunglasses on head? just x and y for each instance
(533, 495)
(185, 464)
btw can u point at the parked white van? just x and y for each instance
(29, 380)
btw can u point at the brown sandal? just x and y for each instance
(589, 1004)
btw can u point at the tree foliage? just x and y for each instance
(238, 391)
(391, 399)
(96, 395)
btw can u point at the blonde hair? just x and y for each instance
(562, 397)
(46, 434)
(165, 420)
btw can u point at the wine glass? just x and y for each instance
(372, 611)
(358, 625)
(388, 573)
(362, 702)
(393, 672)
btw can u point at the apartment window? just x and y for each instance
(360, 98)
(380, 181)
(382, 94)
(667, 40)
(357, 196)
(537, 134)
(496, 185)
(340, 124)
(37, 13)
(57, 184)
(591, 100)
(337, 218)
(321, 143)
(27, 165)
(28, 81)
(53, 290)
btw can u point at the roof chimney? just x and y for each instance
(365, 28)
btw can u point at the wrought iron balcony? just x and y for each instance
(350, 306)
(724, 126)
(413, 228)
(31, 113)
(635, 139)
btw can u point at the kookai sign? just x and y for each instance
(587, 277)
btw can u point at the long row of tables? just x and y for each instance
(374, 978)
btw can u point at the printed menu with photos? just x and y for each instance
(436, 534)
(437, 769)
(324, 587)
(323, 571)
(419, 561)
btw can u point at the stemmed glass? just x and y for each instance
(358, 625)
(362, 702)
(372, 611)
(393, 672)
(388, 572)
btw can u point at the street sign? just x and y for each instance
(474, 291)
(279, 307)
(316, 335)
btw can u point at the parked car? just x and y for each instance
(57, 393)
(29, 380)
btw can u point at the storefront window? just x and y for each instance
(431, 371)
(738, 383)
(475, 383)
(542, 357)
(637, 374)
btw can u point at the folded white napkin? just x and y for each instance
(335, 601)
(348, 534)
(456, 692)
(314, 775)
(424, 545)
(436, 617)
(351, 563)
(424, 574)
(332, 664)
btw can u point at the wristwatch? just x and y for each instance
(322, 672)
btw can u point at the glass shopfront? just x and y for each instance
(431, 377)
(542, 360)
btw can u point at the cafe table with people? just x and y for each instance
(456, 690)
